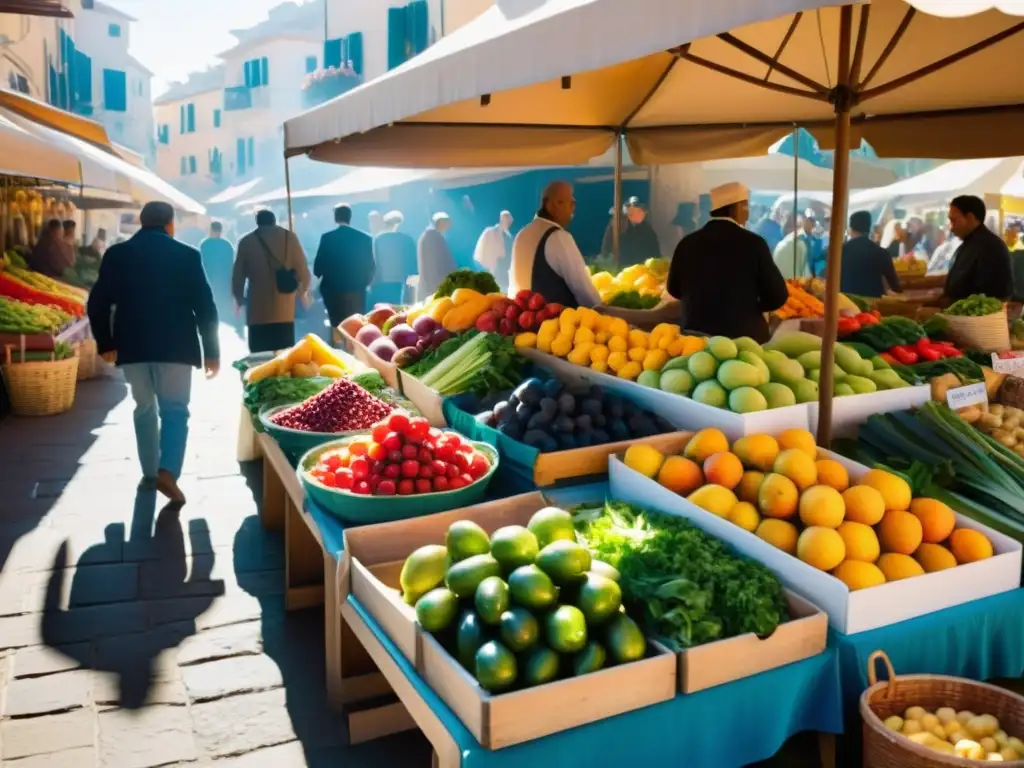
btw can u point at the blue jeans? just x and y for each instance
(161, 392)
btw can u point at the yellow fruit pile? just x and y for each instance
(962, 734)
(646, 279)
(865, 534)
(607, 344)
(311, 356)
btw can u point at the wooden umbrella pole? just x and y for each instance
(837, 231)
(617, 201)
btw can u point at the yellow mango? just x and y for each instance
(601, 337)
(601, 367)
(562, 345)
(618, 344)
(655, 360)
(588, 318)
(617, 360)
(598, 353)
(465, 295)
(580, 354)
(637, 338)
(441, 308)
(568, 319)
(583, 335)
(526, 340)
(323, 354)
(548, 329)
(544, 344)
(629, 371)
(676, 347)
(637, 354)
(463, 316)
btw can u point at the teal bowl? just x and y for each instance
(360, 509)
(296, 442)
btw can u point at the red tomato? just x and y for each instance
(329, 481)
(426, 471)
(406, 487)
(395, 457)
(424, 486)
(451, 471)
(392, 441)
(386, 488)
(418, 428)
(478, 466)
(453, 440)
(398, 422)
(380, 432)
(438, 467)
(360, 468)
(466, 448)
(377, 452)
(445, 451)
(461, 461)
(410, 468)
(410, 451)
(332, 462)
(425, 455)
(362, 488)
(343, 478)
(441, 483)
(392, 471)
(458, 482)
(466, 478)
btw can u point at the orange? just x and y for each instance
(896, 566)
(799, 439)
(821, 547)
(860, 540)
(858, 575)
(797, 466)
(745, 516)
(680, 475)
(777, 496)
(863, 504)
(899, 532)
(757, 451)
(937, 520)
(969, 545)
(895, 490)
(714, 498)
(705, 443)
(724, 469)
(645, 459)
(821, 505)
(934, 557)
(779, 533)
(749, 485)
(832, 474)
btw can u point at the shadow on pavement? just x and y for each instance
(131, 656)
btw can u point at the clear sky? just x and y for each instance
(175, 37)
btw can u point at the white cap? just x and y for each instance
(439, 216)
(728, 194)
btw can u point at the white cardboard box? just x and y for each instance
(848, 612)
(682, 412)
(851, 411)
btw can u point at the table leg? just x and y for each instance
(332, 634)
(303, 562)
(272, 509)
(827, 750)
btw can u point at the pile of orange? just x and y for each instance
(777, 488)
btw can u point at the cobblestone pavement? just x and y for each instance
(132, 636)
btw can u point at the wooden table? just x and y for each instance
(354, 683)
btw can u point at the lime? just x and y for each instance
(532, 588)
(423, 570)
(551, 524)
(519, 629)
(436, 609)
(564, 561)
(566, 629)
(465, 539)
(599, 598)
(471, 634)
(465, 576)
(491, 599)
(513, 546)
(590, 659)
(624, 639)
(494, 666)
(541, 666)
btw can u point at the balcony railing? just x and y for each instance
(325, 84)
(237, 98)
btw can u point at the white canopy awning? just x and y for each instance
(234, 192)
(24, 154)
(990, 176)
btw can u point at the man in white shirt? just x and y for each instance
(791, 253)
(494, 248)
(545, 257)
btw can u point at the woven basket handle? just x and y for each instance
(890, 690)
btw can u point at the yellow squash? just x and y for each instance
(463, 316)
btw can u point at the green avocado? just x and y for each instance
(465, 539)
(564, 561)
(599, 598)
(532, 588)
(436, 609)
(590, 659)
(465, 576)
(491, 599)
(566, 629)
(495, 666)
(513, 546)
(519, 629)
(470, 635)
(624, 639)
(541, 666)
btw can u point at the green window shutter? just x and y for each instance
(332, 53)
(355, 51)
(396, 36)
(416, 16)
(264, 71)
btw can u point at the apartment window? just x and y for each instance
(240, 157)
(216, 118)
(252, 151)
(115, 90)
(310, 64)
(184, 166)
(407, 32)
(114, 30)
(191, 164)
(17, 82)
(163, 134)
(257, 72)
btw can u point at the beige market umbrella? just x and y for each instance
(687, 81)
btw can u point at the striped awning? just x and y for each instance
(53, 8)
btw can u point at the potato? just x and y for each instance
(911, 727)
(1016, 745)
(970, 749)
(997, 409)
(981, 726)
(945, 714)
(1001, 738)
(956, 737)
(990, 421)
(915, 713)
(1011, 424)
(989, 744)
(964, 716)
(894, 723)
(1008, 753)
(929, 722)
(939, 732)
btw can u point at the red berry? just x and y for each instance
(410, 468)
(329, 481)
(398, 422)
(426, 471)
(358, 447)
(395, 457)
(393, 441)
(441, 483)
(445, 451)
(439, 467)
(410, 451)
(362, 487)
(380, 432)
(461, 461)
(393, 471)
(377, 452)
(386, 488)
(419, 428)
(332, 462)
(360, 468)
(406, 487)
(478, 466)
(425, 456)
(452, 471)
(512, 312)
(536, 302)
(458, 482)
(423, 485)
(343, 478)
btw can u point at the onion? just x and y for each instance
(403, 336)
(384, 348)
(368, 334)
(424, 325)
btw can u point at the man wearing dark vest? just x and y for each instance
(545, 257)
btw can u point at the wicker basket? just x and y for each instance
(989, 333)
(40, 388)
(885, 749)
(86, 359)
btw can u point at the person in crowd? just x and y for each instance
(790, 254)
(70, 227)
(394, 257)
(270, 271)
(724, 275)
(149, 310)
(867, 267)
(51, 254)
(99, 243)
(218, 260)
(545, 257)
(893, 237)
(770, 228)
(683, 222)
(637, 238)
(433, 256)
(816, 255)
(375, 223)
(493, 252)
(344, 264)
(942, 256)
(982, 262)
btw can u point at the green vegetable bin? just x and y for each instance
(296, 442)
(358, 509)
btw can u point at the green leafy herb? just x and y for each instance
(689, 587)
(633, 300)
(975, 305)
(481, 282)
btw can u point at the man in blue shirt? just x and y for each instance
(868, 268)
(218, 258)
(815, 245)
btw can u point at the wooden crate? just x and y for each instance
(805, 635)
(362, 353)
(427, 401)
(593, 460)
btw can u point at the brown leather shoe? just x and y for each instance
(168, 486)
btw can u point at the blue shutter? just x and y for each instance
(191, 118)
(184, 166)
(311, 63)
(252, 151)
(332, 53)
(181, 119)
(54, 86)
(114, 30)
(248, 74)
(83, 79)
(264, 71)
(416, 17)
(191, 163)
(355, 51)
(216, 118)
(240, 156)
(396, 37)
(115, 90)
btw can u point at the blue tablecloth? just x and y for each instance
(981, 640)
(723, 727)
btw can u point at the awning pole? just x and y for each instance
(288, 193)
(833, 270)
(617, 204)
(796, 193)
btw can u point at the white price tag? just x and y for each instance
(1008, 362)
(961, 397)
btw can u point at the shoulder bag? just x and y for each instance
(285, 279)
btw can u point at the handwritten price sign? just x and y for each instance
(1008, 362)
(962, 397)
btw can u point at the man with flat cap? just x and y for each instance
(149, 310)
(724, 275)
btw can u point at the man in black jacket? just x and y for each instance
(344, 264)
(724, 275)
(867, 266)
(982, 262)
(149, 308)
